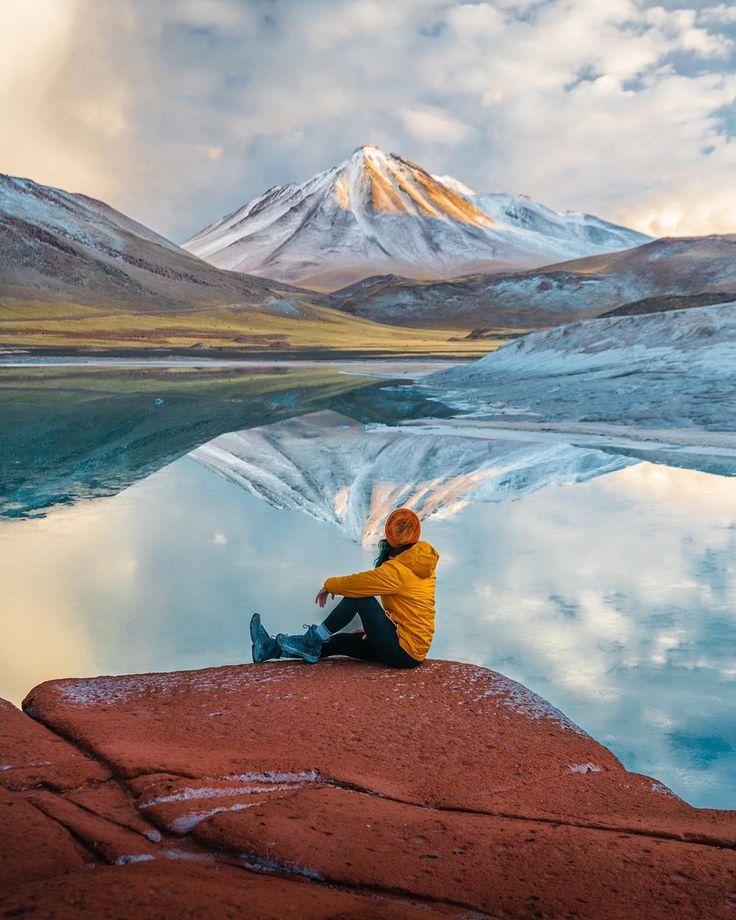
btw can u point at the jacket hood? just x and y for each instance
(422, 559)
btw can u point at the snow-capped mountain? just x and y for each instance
(332, 468)
(658, 371)
(554, 294)
(378, 213)
(56, 244)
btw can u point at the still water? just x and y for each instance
(613, 597)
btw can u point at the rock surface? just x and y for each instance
(341, 789)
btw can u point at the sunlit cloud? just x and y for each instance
(433, 125)
(210, 151)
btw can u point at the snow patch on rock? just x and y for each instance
(186, 823)
(112, 690)
(514, 696)
(309, 776)
(214, 792)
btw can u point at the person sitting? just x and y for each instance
(397, 631)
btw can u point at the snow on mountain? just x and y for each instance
(658, 371)
(556, 235)
(337, 471)
(554, 294)
(378, 213)
(56, 244)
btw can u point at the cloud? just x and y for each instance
(210, 151)
(723, 13)
(433, 125)
(177, 113)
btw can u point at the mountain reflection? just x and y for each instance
(333, 469)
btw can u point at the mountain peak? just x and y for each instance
(378, 213)
(384, 183)
(369, 150)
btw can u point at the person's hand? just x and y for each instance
(322, 596)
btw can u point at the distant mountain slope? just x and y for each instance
(671, 302)
(661, 370)
(59, 245)
(578, 289)
(378, 213)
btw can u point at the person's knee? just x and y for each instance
(367, 603)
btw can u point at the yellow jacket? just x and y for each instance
(406, 587)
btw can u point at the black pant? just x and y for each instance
(380, 642)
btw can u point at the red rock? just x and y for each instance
(505, 867)
(113, 802)
(188, 891)
(445, 733)
(31, 755)
(179, 805)
(620, 800)
(31, 846)
(449, 785)
(106, 839)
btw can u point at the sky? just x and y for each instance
(179, 111)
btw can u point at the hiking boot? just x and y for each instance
(307, 647)
(264, 646)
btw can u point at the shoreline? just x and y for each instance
(218, 357)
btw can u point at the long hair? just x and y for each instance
(386, 551)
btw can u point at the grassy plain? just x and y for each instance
(233, 331)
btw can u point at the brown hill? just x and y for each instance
(56, 245)
(555, 294)
(672, 302)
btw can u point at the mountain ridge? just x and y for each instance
(63, 245)
(552, 294)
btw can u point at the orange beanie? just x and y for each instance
(402, 526)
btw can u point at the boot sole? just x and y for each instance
(293, 653)
(254, 639)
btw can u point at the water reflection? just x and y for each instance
(68, 434)
(329, 466)
(613, 598)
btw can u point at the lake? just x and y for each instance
(606, 584)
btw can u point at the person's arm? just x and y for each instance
(383, 580)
